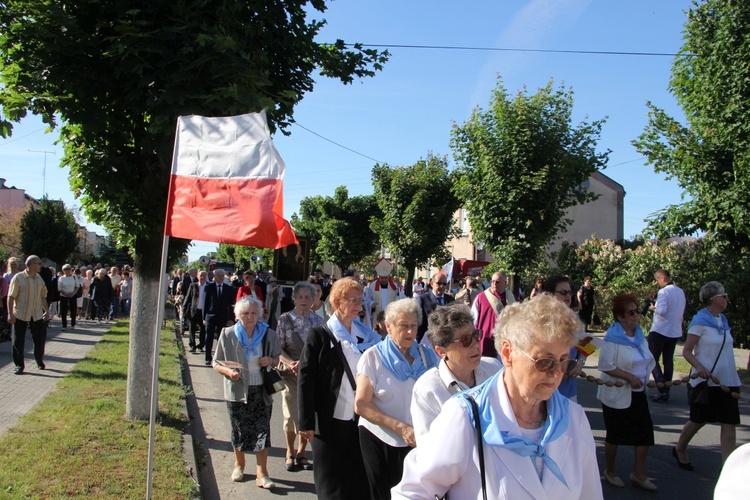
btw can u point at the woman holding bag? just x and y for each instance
(710, 344)
(242, 351)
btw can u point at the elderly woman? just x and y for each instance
(100, 291)
(456, 342)
(535, 442)
(385, 381)
(242, 352)
(293, 329)
(326, 397)
(559, 288)
(625, 357)
(709, 349)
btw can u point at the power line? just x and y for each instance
(339, 145)
(502, 49)
(22, 137)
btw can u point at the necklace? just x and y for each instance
(532, 424)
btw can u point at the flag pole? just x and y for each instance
(161, 302)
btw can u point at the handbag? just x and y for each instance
(272, 382)
(698, 394)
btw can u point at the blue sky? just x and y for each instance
(406, 111)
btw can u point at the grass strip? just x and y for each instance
(77, 441)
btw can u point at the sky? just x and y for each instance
(407, 110)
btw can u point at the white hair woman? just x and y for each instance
(536, 443)
(456, 341)
(292, 329)
(709, 349)
(385, 381)
(242, 351)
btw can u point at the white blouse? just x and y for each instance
(707, 349)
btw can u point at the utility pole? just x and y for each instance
(44, 172)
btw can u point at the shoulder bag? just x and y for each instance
(698, 395)
(272, 382)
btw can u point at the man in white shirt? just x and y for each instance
(193, 309)
(666, 329)
(68, 287)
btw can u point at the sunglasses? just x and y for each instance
(441, 283)
(721, 295)
(632, 312)
(467, 340)
(565, 293)
(545, 365)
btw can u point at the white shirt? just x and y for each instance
(116, 279)
(621, 356)
(390, 395)
(447, 461)
(67, 284)
(344, 409)
(707, 349)
(668, 311)
(436, 386)
(201, 295)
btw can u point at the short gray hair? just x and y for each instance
(246, 303)
(444, 321)
(400, 308)
(709, 291)
(303, 285)
(540, 321)
(31, 259)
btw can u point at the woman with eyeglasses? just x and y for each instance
(625, 360)
(385, 380)
(559, 288)
(709, 349)
(326, 388)
(535, 443)
(456, 342)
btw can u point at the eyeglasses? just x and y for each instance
(545, 365)
(355, 300)
(565, 293)
(467, 340)
(407, 326)
(441, 283)
(632, 312)
(726, 296)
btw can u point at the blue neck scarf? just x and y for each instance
(339, 330)
(554, 426)
(252, 346)
(705, 318)
(397, 363)
(616, 334)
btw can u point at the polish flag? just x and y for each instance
(226, 183)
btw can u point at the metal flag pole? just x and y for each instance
(155, 365)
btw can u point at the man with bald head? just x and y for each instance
(487, 306)
(432, 299)
(27, 308)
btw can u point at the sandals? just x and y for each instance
(304, 464)
(289, 464)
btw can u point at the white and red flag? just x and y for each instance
(226, 183)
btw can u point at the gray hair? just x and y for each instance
(401, 308)
(246, 303)
(303, 285)
(66, 267)
(31, 259)
(540, 321)
(444, 321)
(709, 291)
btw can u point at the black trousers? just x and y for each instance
(68, 305)
(384, 464)
(339, 472)
(214, 324)
(197, 324)
(659, 345)
(38, 336)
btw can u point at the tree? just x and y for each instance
(338, 227)
(242, 256)
(49, 230)
(418, 206)
(521, 164)
(118, 74)
(710, 155)
(10, 231)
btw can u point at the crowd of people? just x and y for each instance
(32, 295)
(470, 396)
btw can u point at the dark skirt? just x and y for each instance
(630, 426)
(722, 408)
(251, 421)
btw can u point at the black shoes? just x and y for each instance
(681, 465)
(18, 370)
(660, 398)
(41, 366)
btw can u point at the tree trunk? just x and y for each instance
(146, 299)
(408, 286)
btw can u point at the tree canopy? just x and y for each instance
(118, 74)
(242, 256)
(521, 164)
(709, 155)
(338, 227)
(418, 206)
(49, 230)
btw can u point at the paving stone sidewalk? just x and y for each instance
(20, 393)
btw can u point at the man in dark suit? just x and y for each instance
(192, 309)
(433, 299)
(188, 279)
(219, 299)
